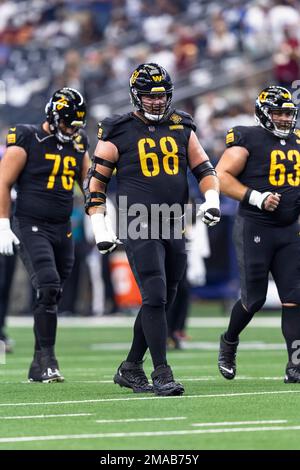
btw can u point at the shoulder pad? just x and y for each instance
(107, 127)
(237, 136)
(18, 135)
(181, 117)
(81, 142)
(297, 133)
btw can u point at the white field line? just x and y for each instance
(18, 361)
(121, 322)
(108, 400)
(46, 416)
(105, 421)
(236, 423)
(186, 379)
(92, 371)
(201, 345)
(147, 434)
(208, 379)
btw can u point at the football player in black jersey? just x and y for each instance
(151, 148)
(261, 169)
(44, 161)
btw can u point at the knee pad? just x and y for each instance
(155, 291)
(48, 296)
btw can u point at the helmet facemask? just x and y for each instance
(153, 109)
(283, 129)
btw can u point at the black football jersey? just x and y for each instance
(273, 165)
(45, 186)
(153, 162)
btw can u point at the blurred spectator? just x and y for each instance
(284, 14)
(256, 32)
(185, 49)
(72, 73)
(156, 27)
(286, 59)
(221, 42)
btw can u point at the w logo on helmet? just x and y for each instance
(157, 78)
(80, 114)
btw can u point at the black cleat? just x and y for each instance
(132, 375)
(44, 368)
(227, 355)
(163, 382)
(292, 374)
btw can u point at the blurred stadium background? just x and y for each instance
(220, 54)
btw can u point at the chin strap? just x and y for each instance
(154, 117)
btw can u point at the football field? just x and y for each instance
(255, 411)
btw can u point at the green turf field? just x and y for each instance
(255, 411)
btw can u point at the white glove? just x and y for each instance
(7, 238)
(258, 199)
(210, 210)
(105, 237)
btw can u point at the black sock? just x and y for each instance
(139, 344)
(290, 325)
(154, 324)
(239, 319)
(45, 326)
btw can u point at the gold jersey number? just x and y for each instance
(278, 175)
(149, 160)
(67, 177)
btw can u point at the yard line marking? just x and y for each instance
(235, 423)
(88, 370)
(88, 357)
(146, 434)
(186, 379)
(246, 377)
(103, 400)
(199, 345)
(121, 322)
(175, 418)
(91, 381)
(67, 415)
(207, 379)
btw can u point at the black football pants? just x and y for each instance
(264, 249)
(47, 252)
